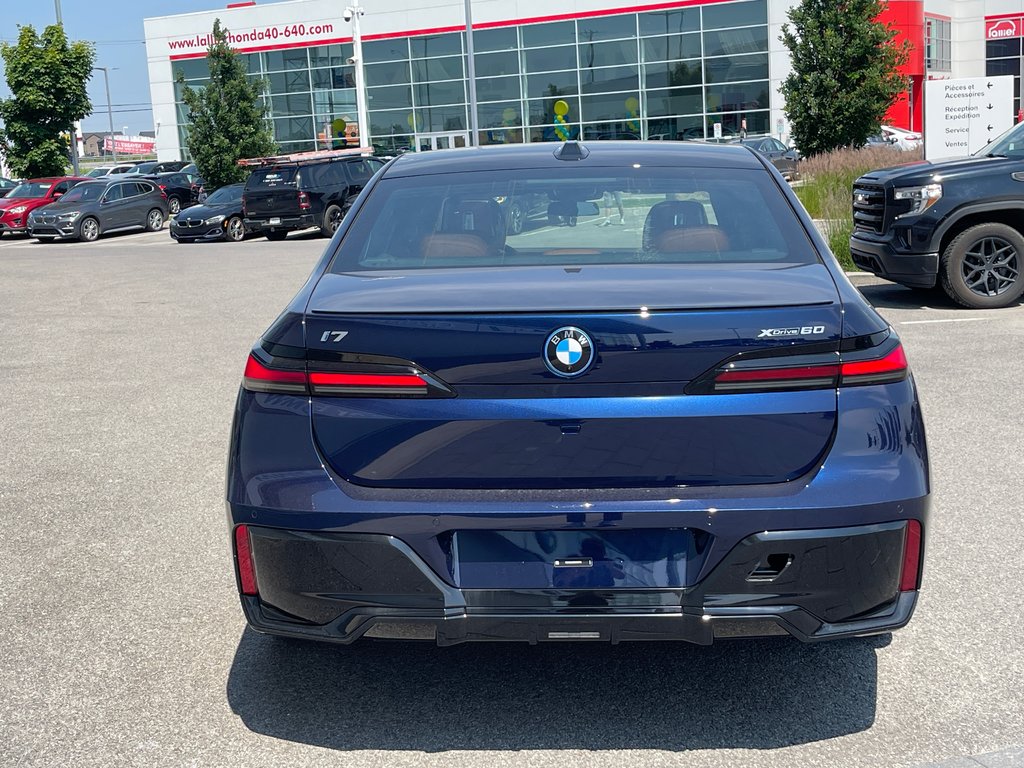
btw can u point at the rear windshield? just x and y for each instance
(270, 178)
(30, 190)
(593, 216)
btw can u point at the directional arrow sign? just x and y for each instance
(963, 115)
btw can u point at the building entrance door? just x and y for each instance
(447, 140)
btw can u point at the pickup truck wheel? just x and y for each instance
(981, 267)
(332, 220)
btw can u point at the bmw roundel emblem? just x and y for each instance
(568, 352)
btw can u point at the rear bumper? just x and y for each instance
(262, 223)
(916, 270)
(835, 583)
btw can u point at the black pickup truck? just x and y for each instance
(958, 224)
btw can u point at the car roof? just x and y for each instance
(601, 153)
(52, 179)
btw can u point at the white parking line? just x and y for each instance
(946, 320)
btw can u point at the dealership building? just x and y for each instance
(590, 69)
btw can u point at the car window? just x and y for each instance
(360, 171)
(30, 190)
(61, 188)
(272, 178)
(667, 215)
(115, 192)
(84, 192)
(145, 187)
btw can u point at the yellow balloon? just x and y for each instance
(561, 108)
(509, 115)
(632, 104)
(338, 126)
(411, 120)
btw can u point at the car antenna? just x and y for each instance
(571, 150)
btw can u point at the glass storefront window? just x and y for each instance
(393, 122)
(330, 55)
(737, 97)
(724, 15)
(675, 101)
(552, 84)
(392, 73)
(282, 61)
(294, 129)
(444, 118)
(505, 114)
(288, 82)
(497, 88)
(554, 132)
(550, 59)
(493, 64)
(542, 35)
(995, 67)
(338, 77)
(675, 128)
(451, 92)
(391, 97)
(757, 122)
(673, 73)
(750, 40)
(191, 69)
(669, 22)
(292, 104)
(729, 69)
(448, 68)
(610, 106)
(607, 54)
(610, 79)
(436, 45)
(500, 39)
(621, 130)
(504, 136)
(606, 28)
(386, 50)
(542, 111)
(668, 47)
(996, 49)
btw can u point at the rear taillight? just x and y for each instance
(879, 365)
(910, 578)
(162, 187)
(243, 556)
(295, 380)
(303, 201)
(882, 370)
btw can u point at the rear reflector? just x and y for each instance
(892, 367)
(243, 556)
(911, 557)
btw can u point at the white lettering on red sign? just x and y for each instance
(1002, 28)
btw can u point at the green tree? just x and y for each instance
(844, 75)
(227, 119)
(47, 77)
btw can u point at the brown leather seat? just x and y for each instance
(681, 226)
(470, 229)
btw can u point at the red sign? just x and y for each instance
(130, 145)
(999, 29)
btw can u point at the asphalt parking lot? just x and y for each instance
(122, 642)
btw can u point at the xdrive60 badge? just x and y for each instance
(568, 352)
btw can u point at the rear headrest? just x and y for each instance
(707, 239)
(671, 214)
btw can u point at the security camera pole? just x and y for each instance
(352, 14)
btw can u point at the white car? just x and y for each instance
(902, 138)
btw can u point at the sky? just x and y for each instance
(116, 30)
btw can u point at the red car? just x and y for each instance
(29, 195)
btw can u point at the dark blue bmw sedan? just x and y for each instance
(655, 409)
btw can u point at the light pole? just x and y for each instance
(471, 77)
(110, 111)
(352, 14)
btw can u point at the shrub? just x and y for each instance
(826, 191)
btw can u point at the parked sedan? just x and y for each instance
(19, 203)
(219, 218)
(96, 208)
(782, 157)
